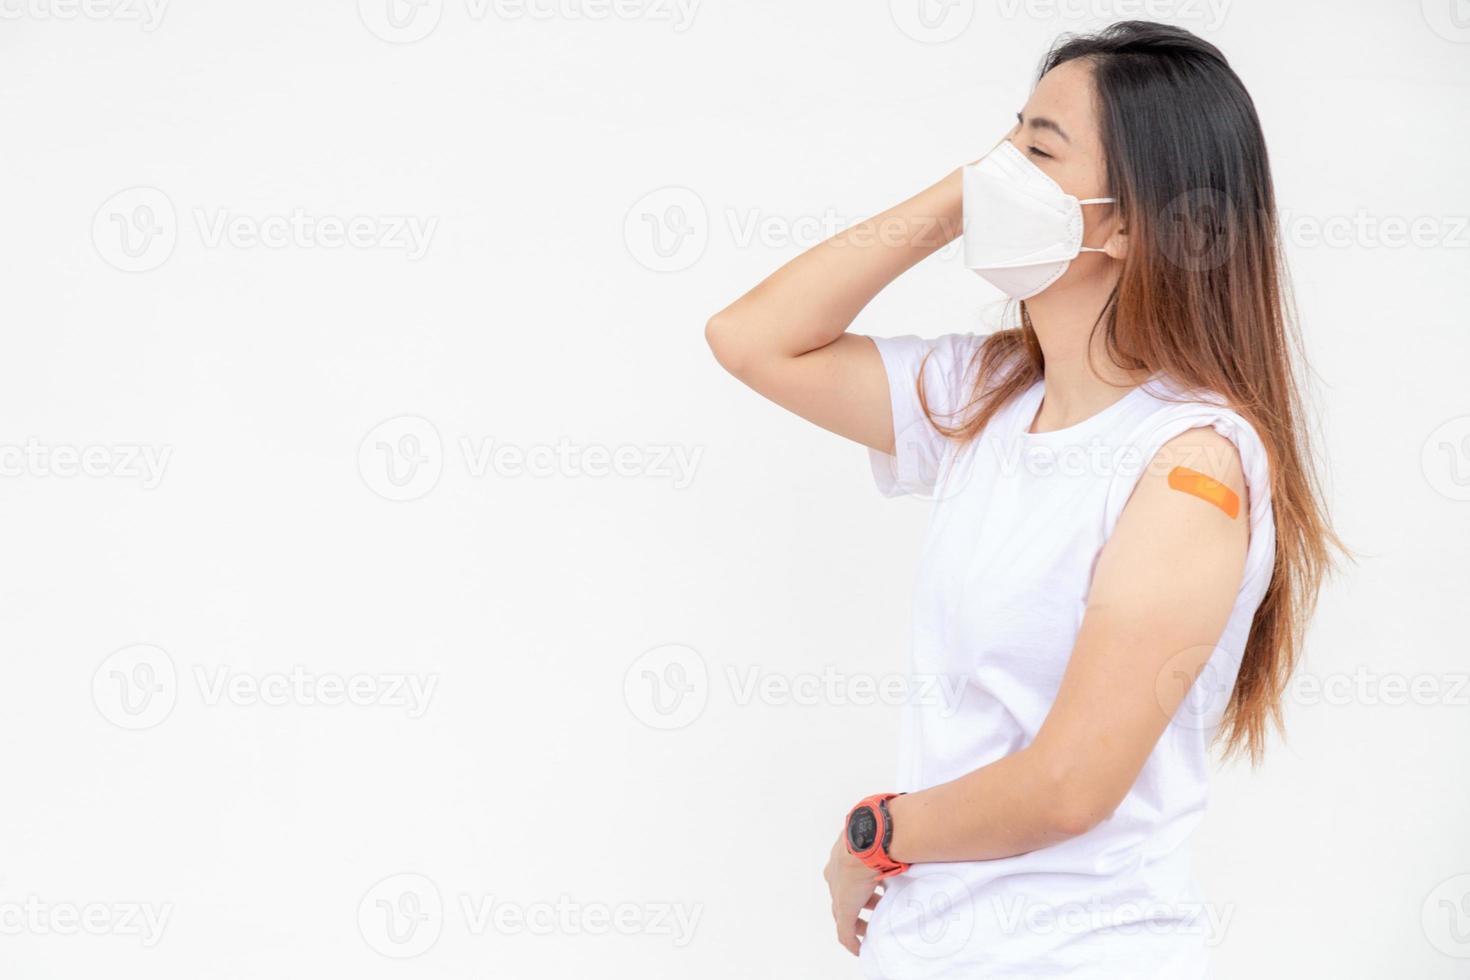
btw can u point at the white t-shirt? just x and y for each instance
(1018, 522)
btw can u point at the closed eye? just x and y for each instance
(1038, 152)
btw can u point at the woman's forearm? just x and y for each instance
(811, 300)
(1018, 804)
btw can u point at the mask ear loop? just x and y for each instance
(1095, 200)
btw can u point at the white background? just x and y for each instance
(559, 304)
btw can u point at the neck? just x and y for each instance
(1081, 380)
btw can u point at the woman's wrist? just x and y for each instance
(868, 835)
(902, 812)
(943, 205)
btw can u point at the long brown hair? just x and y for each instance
(1201, 298)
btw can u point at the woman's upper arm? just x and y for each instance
(1161, 596)
(842, 387)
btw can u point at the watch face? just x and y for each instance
(862, 829)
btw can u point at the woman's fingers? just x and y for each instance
(853, 890)
(868, 906)
(846, 914)
(851, 926)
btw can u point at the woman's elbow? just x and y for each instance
(1075, 803)
(722, 335)
(1068, 818)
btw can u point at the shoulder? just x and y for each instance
(1199, 451)
(1202, 441)
(1180, 424)
(1188, 511)
(1194, 493)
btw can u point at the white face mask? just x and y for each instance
(1021, 229)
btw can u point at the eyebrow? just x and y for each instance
(1041, 122)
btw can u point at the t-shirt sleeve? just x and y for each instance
(950, 366)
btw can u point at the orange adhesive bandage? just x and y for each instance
(1198, 485)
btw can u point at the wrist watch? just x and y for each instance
(869, 832)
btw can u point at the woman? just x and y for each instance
(1126, 537)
